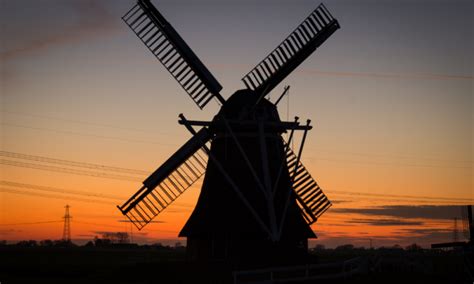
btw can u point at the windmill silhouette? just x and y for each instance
(257, 200)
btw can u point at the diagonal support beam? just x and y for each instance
(244, 155)
(291, 134)
(232, 184)
(285, 91)
(283, 161)
(267, 179)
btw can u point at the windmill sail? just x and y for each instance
(311, 199)
(173, 52)
(308, 36)
(169, 181)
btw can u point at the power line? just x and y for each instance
(460, 199)
(97, 224)
(134, 171)
(31, 223)
(81, 222)
(180, 205)
(336, 216)
(320, 223)
(394, 155)
(166, 144)
(391, 199)
(333, 221)
(59, 190)
(15, 191)
(368, 196)
(404, 75)
(130, 221)
(67, 170)
(116, 226)
(70, 163)
(86, 134)
(387, 164)
(389, 75)
(83, 122)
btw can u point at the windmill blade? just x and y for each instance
(311, 199)
(169, 181)
(308, 36)
(173, 52)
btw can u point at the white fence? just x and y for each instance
(289, 274)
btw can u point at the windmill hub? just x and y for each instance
(257, 200)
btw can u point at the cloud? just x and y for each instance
(417, 224)
(428, 235)
(427, 232)
(29, 30)
(9, 231)
(114, 232)
(385, 222)
(320, 223)
(106, 232)
(340, 201)
(86, 235)
(438, 212)
(128, 221)
(403, 237)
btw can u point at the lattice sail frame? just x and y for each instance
(173, 52)
(169, 181)
(311, 199)
(308, 36)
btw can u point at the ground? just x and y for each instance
(168, 265)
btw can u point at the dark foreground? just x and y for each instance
(151, 265)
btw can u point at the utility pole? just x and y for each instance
(471, 224)
(455, 230)
(67, 225)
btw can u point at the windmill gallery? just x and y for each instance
(257, 200)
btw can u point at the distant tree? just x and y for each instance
(63, 243)
(345, 247)
(89, 244)
(98, 242)
(117, 237)
(30, 243)
(414, 247)
(158, 246)
(3, 243)
(319, 247)
(46, 243)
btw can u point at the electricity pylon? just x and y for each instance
(67, 225)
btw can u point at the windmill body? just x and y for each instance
(257, 200)
(221, 226)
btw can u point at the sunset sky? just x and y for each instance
(87, 112)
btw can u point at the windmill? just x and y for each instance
(257, 199)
